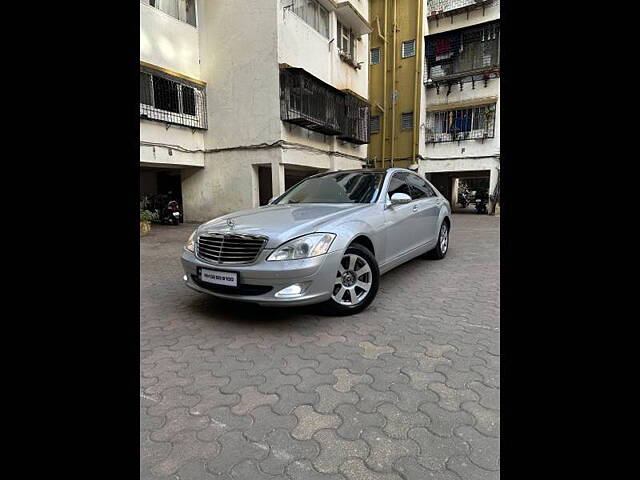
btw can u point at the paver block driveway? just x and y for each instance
(408, 389)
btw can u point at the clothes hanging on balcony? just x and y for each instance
(443, 49)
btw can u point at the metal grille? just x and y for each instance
(464, 52)
(354, 124)
(473, 123)
(229, 248)
(375, 124)
(375, 56)
(309, 102)
(168, 99)
(438, 7)
(408, 48)
(407, 120)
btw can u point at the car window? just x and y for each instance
(398, 184)
(335, 187)
(420, 187)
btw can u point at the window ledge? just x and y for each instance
(346, 58)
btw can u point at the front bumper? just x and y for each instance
(254, 279)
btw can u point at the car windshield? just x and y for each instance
(336, 187)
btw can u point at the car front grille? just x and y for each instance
(228, 248)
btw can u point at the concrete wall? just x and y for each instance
(172, 44)
(239, 62)
(168, 42)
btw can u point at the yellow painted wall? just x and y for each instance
(407, 13)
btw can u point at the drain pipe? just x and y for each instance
(393, 83)
(416, 92)
(384, 82)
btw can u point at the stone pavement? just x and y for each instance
(408, 389)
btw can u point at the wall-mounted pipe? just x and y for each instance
(393, 81)
(385, 94)
(416, 92)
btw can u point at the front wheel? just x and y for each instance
(443, 244)
(355, 284)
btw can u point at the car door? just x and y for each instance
(426, 209)
(400, 222)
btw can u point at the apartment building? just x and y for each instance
(462, 95)
(240, 100)
(434, 75)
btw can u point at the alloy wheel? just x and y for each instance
(444, 238)
(353, 280)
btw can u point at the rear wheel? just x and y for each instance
(355, 284)
(443, 244)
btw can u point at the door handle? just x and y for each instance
(415, 208)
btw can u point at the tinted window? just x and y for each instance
(420, 188)
(336, 187)
(398, 184)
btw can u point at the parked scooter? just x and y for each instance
(171, 213)
(481, 205)
(167, 211)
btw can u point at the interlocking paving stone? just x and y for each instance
(427, 352)
(266, 421)
(334, 450)
(284, 449)
(346, 379)
(485, 452)
(289, 398)
(355, 421)
(309, 422)
(234, 450)
(444, 422)
(398, 423)
(355, 469)
(435, 450)
(384, 451)
(372, 351)
(331, 398)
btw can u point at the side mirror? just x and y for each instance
(400, 198)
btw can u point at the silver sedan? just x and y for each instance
(327, 239)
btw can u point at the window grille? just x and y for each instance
(169, 99)
(463, 52)
(354, 123)
(375, 124)
(312, 13)
(408, 48)
(184, 10)
(310, 103)
(471, 123)
(407, 120)
(375, 56)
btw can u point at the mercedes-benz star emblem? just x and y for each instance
(230, 223)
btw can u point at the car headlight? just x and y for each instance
(303, 247)
(190, 245)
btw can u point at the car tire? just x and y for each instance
(441, 249)
(370, 278)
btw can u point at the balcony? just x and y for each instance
(312, 104)
(455, 125)
(441, 8)
(354, 124)
(467, 54)
(170, 99)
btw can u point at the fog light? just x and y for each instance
(185, 278)
(294, 290)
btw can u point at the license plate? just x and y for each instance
(219, 278)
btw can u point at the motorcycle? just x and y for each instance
(462, 200)
(166, 211)
(171, 213)
(481, 205)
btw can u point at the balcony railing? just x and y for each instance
(310, 103)
(473, 123)
(168, 99)
(463, 53)
(355, 121)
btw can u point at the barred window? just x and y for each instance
(375, 56)
(346, 41)
(171, 100)
(408, 48)
(375, 124)
(312, 13)
(184, 10)
(407, 120)
(461, 124)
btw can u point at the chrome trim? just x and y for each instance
(227, 248)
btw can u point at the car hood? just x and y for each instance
(283, 222)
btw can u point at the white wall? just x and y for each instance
(168, 42)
